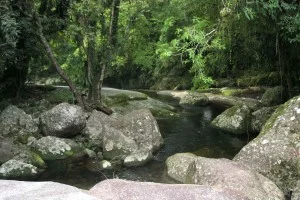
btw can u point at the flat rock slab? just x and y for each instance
(21, 190)
(133, 95)
(116, 189)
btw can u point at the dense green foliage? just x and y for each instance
(176, 43)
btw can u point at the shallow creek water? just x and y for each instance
(190, 132)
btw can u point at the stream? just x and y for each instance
(190, 132)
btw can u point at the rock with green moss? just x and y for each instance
(194, 99)
(123, 95)
(274, 96)
(275, 153)
(31, 158)
(260, 117)
(233, 120)
(225, 173)
(53, 148)
(177, 165)
(17, 169)
(64, 120)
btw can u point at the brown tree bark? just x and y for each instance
(58, 68)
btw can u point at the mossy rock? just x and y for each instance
(274, 96)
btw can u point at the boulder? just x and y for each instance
(14, 120)
(17, 169)
(228, 101)
(116, 189)
(260, 117)
(138, 158)
(141, 126)
(16, 190)
(136, 131)
(7, 150)
(274, 96)
(53, 148)
(64, 120)
(177, 165)
(194, 99)
(296, 192)
(275, 153)
(224, 173)
(115, 93)
(94, 130)
(233, 120)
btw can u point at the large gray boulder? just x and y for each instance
(135, 132)
(234, 120)
(274, 96)
(8, 149)
(94, 130)
(224, 173)
(15, 122)
(17, 169)
(53, 148)
(64, 120)
(116, 189)
(177, 165)
(260, 117)
(194, 99)
(16, 190)
(275, 152)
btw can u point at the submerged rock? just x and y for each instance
(116, 189)
(224, 173)
(17, 169)
(177, 165)
(16, 190)
(234, 120)
(275, 153)
(64, 120)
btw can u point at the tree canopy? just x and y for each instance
(139, 43)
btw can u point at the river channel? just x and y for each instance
(190, 132)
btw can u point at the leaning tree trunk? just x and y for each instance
(58, 68)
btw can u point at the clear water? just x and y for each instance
(191, 132)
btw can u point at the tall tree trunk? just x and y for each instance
(112, 40)
(58, 68)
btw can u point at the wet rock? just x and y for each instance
(64, 120)
(117, 189)
(260, 117)
(17, 169)
(131, 95)
(13, 120)
(224, 173)
(52, 148)
(138, 158)
(274, 96)
(194, 99)
(16, 190)
(233, 120)
(177, 165)
(275, 153)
